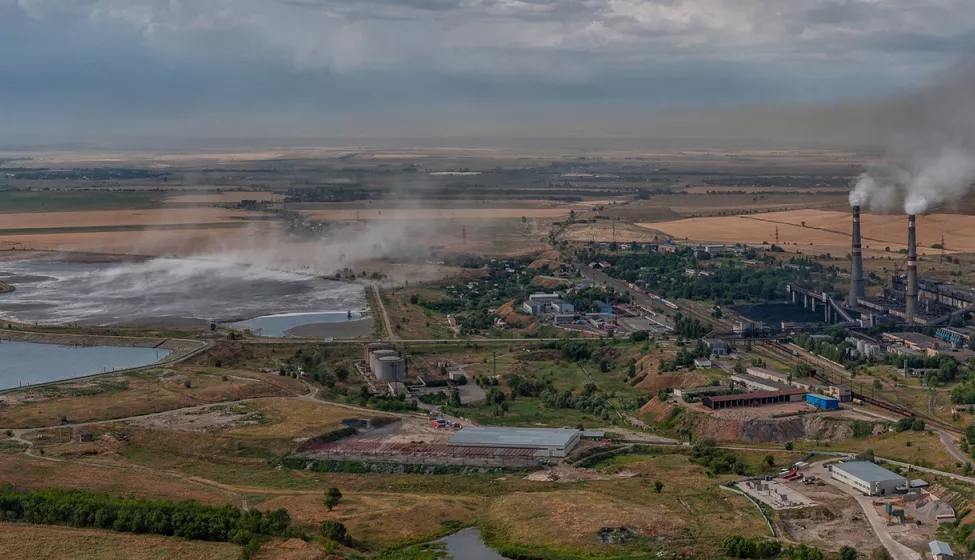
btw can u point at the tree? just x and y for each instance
(770, 460)
(788, 446)
(658, 486)
(848, 553)
(333, 531)
(332, 497)
(455, 398)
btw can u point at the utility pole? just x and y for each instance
(463, 234)
(495, 359)
(943, 248)
(776, 235)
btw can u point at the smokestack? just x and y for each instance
(856, 269)
(911, 304)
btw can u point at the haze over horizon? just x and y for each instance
(826, 72)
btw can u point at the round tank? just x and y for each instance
(372, 347)
(376, 354)
(391, 368)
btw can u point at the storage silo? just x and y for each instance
(372, 347)
(376, 354)
(391, 368)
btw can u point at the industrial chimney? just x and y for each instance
(911, 303)
(856, 269)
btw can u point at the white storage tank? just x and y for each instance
(391, 368)
(373, 346)
(376, 354)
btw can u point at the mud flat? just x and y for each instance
(357, 328)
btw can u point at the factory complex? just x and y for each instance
(869, 478)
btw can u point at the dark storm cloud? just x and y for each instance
(94, 60)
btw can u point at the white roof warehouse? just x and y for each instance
(548, 442)
(868, 478)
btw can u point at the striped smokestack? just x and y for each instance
(911, 303)
(856, 269)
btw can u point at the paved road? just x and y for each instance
(949, 444)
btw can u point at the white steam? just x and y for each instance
(930, 164)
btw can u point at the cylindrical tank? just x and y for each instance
(391, 368)
(376, 354)
(861, 346)
(372, 347)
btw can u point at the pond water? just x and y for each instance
(467, 545)
(277, 325)
(27, 363)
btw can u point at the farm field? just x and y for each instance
(826, 229)
(109, 218)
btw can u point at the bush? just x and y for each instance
(333, 531)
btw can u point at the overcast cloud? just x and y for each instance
(360, 67)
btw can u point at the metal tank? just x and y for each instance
(376, 354)
(391, 368)
(372, 347)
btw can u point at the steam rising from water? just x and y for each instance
(930, 164)
(176, 289)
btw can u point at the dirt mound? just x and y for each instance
(657, 411)
(507, 314)
(774, 430)
(547, 282)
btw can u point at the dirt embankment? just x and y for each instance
(177, 346)
(774, 430)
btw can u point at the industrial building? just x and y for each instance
(869, 478)
(753, 399)
(562, 306)
(534, 307)
(547, 442)
(753, 383)
(941, 551)
(822, 401)
(718, 347)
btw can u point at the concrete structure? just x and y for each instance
(562, 306)
(390, 368)
(396, 388)
(376, 354)
(910, 307)
(856, 269)
(534, 307)
(544, 298)
(941, 551)
(547, 442)
(753, 399)
(915, 341)
(718, 347)
(702, 363)
(753, 383)
(822, 401)
(869, 478)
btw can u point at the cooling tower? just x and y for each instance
(856, 269)
(910, 308)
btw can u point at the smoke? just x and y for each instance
(929, 162)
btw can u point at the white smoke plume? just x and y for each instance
(929, 163)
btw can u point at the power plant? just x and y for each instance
(908, 298)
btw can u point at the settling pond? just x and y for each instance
(467, 544)
(28, 363)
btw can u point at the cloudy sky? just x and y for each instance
(390, 67)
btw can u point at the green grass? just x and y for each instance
(67, 201)
(529, 412)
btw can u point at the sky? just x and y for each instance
(401, 68)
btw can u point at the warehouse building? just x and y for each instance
(547, 442)
(869, 478)
(822, 401)
(753, 399)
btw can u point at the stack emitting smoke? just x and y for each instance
(911, 300)
(856, 271)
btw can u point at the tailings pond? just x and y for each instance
(28, 363)
(165, 291)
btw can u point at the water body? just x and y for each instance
(467, 545)
(28, 363)
(163, 291)
(278, 325)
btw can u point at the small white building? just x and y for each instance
(534, 307)
(941, 551)
(869, 478)
(544, 298)
(702, 363)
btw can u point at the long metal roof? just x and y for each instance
(939, 547)
(868, 472)
(514, 437)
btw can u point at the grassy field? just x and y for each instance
(291, 419)
(917, 448)
(66, 201)
(42, 541)
(412, 321)
(137, 393)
